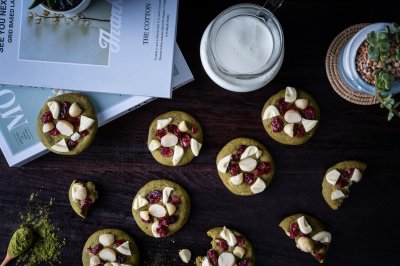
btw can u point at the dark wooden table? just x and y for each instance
(365, 230)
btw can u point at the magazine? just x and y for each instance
(19, 107)
(113, 46)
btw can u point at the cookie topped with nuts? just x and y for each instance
(229, 248)
(175, 138)
(161, 208)
(338, 179)
(291, 116)
(81, 196)
(245, 166)
(110, 247)
(67, 124)
(309, 234)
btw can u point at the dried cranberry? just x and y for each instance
(240, 241)
(235, 158)
(213, 256)
(174, 199)
(300, 131)
(277, 124)
(319, 256)
(162, 230)
(47, 117)
(154, 196)
(119, 242)
(84, 133)
(167, 152)
(294, 230)
(161, 133)
(240, 149)
(243, 262)
(121, 258)
(54, 132)
(222, 244)
(174, 129)
(74, 121)
(194, 129)
(163, 221)
(72, 144)
(234, 169)
(172, 219)
(309, 113)
(149, 221)
(264, 167)
(283, 106)
(85, 204)
(249, 178)
(342, 182)
(185, 140)
(64, 110)
(347, 173)
(96, 249)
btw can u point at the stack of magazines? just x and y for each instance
(121, 54)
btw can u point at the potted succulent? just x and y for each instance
(64, 7)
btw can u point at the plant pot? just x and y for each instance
(347, 61)
(70, 12)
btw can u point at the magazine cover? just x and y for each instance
(19, 107)
(110, 46)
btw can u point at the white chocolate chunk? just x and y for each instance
(305, 228)
(270, 112)
(124, 249)
(337, 194)
(145, 215)
(106, 239)
(47, 127)
(258, 186)
(76, 136)
(154, 227)
(332, 176)
(107, 254)
(239, 252)
(183, 127)
(357, 175)
(185, 255)
(169, 140)
(309, 124)
(114, 264)
(157, 210)
(258, 154)
(124, 264)
(237, 179)
(65, 128)
(166, 193)
(86, 123)
(195, 146)
(206, 262)
(79, 192)
(163, 123)
(139, 202)
(305, 244)
(94, 260)
(228, 236)
(249, 151)
(178, 154)
(323, 237)
(289, 130)
(226, 259)
(248, 164)
(301, 103)
(154, 144)
(61, 146)
(74, 110)
(170, 208)
(290, 94)
(223, 164)
(54, 109)
(292, 117)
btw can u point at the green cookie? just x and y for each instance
(81, 207)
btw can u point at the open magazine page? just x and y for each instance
(19, 107)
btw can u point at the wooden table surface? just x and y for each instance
(365, 230)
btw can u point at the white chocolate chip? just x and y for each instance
(170, 208)
(305, 228)
(258, 186)
(61, 146)
(226, 259)
(178, 154)
(154, 227)
(139, 202)
(107, 254)
(94, 260)
(309, 124)
(79, 192)
(106, 239)
(249, 151)
(337, 194)
(223, 164)
(195, 146)
(206, 262)
(76, 136)
(169, 140)
(157, 210)
(292, 116)
(239, 252)
(74, 110)
(237, 179)
(185, 255)
(290, 94)
(301, 103)
(258, 154)
(332, 176)
(305, 244)
(289, 130)
(124, 249)
(65, 128)
(248, 164)
(54, 109)
(47, 127)
(114, 264)
(154, 144)
(270, 112)
(323, 237)
(166, 193)
(357, 175)
(228, 236)
(163, 123)
(86, 123)
(145, 215)
(183, 127)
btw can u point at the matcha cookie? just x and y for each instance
(161, 208)
(229, 247)
(81, 196)
(291, 116)
(67, 124)
(245, 166)
(110, 247)
(175, 138)
(309, 234)
(338, 179)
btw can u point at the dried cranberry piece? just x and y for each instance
(84, 133)
(243, 262)
(72, 144)
(185, 141)
(222, 244)
(167, 152)
(163, 221)
(74, 121)
(154, 196)
(277, 124)
(347, 173)
(119, 242)
(85, 204)
(300, 131)
(342, 182)
(54, 132)
(240, 149)
(161, 133)
(64, 110)
(174, 199)
(96, 249)
(240, 241)
(172, 219)
(235, 158)
(213, 256)
(194, 129)
(283, 106)
(149, 221)
(234, 169)
(319, 256)
(121, 258)
(294, 230)
(162, 230)
(264, 167)
(46, 117)
(174, 129)
(249, 178)
(309, 113)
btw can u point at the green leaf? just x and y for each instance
(395, 26)
(384, 45)
(390, 116)
(387, 29)
(385, 77)
(372, 38)
(36, 3)
(382, 35)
